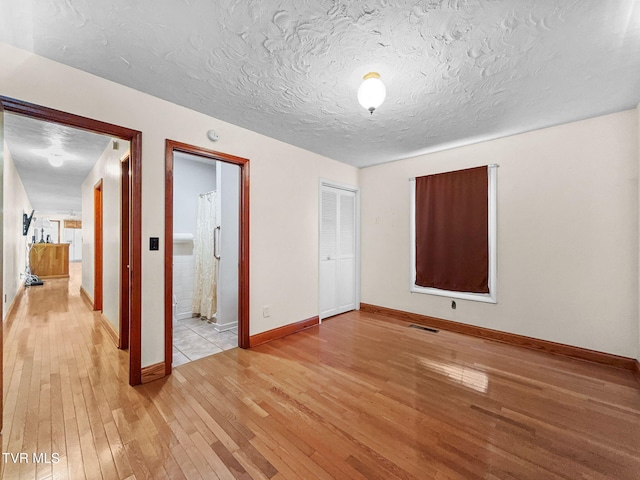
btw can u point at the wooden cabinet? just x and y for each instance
(73, 224)
(50, 260)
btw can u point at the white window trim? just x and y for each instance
(490, 297)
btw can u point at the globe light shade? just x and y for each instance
(55, 160)
(55, 154)
(372, 91)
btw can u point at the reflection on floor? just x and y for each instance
(194, 338)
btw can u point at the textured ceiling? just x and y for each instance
(456, 71)
(52, 189)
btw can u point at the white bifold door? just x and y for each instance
(338, 251)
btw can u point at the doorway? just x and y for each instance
(125, 251)
(339, 246)
(226, 309)
(97, 239)
(134, 137)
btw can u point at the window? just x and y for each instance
(453, 234)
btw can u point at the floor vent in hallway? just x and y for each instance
(422, 327)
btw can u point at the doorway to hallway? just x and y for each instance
(37, 112)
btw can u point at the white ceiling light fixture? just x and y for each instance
(372, 91)
(54, 154)
(55, 160)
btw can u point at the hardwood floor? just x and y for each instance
(356, 398)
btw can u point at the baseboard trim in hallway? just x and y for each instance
(113, 335)
(505, 337)
(15, 300)
(153, 372)
(270, 335)
(86, 297)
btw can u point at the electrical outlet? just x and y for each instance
(266, 311)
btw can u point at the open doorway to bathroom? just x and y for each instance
(206, 254)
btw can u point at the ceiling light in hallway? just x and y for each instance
(54, 154)
(55, 160)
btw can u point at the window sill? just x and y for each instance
(476, 297)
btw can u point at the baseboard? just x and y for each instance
(106, 324)
(15, 300)
(636, 370)
(270, 335)
(153, 372)
(86, 297)
(225, 327)
(504, 337)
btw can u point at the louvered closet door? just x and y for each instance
(337, 251)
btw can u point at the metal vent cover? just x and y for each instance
(422, 327)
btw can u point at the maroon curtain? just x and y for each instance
(452, 231)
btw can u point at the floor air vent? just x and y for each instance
(422, 327)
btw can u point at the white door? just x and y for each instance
(338, 251)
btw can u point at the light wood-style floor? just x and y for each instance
(358, 397)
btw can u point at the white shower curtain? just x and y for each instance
(205, 288)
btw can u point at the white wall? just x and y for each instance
(567, 234)
(108, 169)
(190, 178)
(284, 187)
(16, 203)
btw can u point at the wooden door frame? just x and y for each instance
(98, 265)
(134, 137)
(125, 252)
(171, 147)
(2, 159)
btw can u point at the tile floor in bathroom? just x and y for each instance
(194, 338)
